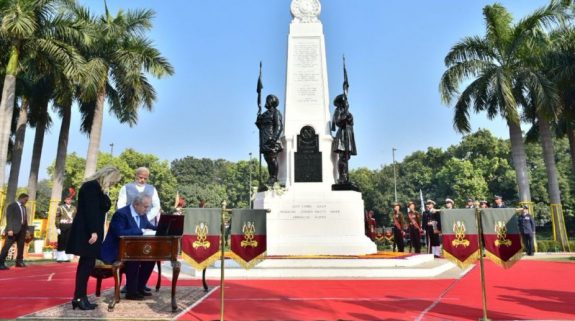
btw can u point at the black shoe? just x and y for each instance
(88, 303)
(4, 267)
(145, 293)
(147, 289)
(20, 264)
(134, 296)
(81, 304)
(124, 290)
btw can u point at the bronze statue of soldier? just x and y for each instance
(270, 125)
(344, 140)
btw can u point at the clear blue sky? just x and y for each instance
(394, 54)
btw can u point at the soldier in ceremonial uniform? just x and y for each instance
(415, 229)
(370, 225)
(483, 204)
(470, 203)
(64, 216)
(499, 202)
(398, 232)
(432, 225)
(448, 203)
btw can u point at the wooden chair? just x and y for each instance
(103, 271)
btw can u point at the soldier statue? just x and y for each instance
(270, 125)
(344, 141)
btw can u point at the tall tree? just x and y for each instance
(499, 77)
(125, 55)
(16, 159)
(65, 92)
(27, 27)
(545, 112)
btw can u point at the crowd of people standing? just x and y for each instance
(415, 229)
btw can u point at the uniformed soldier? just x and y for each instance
(449, 203)
(415, 230)
(469, 203)
(398, 232)
(432, 225)
(527, 229)
(499, 202)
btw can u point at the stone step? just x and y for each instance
(413, 267)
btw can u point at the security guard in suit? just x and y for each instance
(16, 228)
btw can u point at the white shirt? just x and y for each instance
(154, 210)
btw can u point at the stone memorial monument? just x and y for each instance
(307, 217)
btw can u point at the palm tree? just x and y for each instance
(66, 91)
(39, 118)
(28, 27)
(561, 64)
(500, 77)
(16, 158)
(554, 58)
(122, 56)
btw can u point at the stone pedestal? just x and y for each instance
(313, 220)
(307, 217)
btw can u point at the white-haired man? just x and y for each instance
(139, 186)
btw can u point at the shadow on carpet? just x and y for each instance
(156, 307)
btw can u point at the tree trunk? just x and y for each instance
(95, 135)
(17, 150)
(59, 172)
(35, 164)
(519, 161)
(571, 137)
(553, 183)
(7, 109)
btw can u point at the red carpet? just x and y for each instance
(321, 300)
(36, 287)
(531, 290)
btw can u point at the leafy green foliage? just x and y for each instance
(479, 167)
(215, 181)
(160, 174)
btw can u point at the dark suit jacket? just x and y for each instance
(93, 205)
(13, 218)
(122, 224)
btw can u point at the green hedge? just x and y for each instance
(552, 246)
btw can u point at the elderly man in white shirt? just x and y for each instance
(129, 191)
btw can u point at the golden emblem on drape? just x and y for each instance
(501, 231)
(459, 231)
(249, 230)
(202, 233)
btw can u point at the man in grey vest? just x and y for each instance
(129, 192)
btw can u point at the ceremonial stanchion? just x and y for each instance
(3, 202)
(482, 271)
(222, 258)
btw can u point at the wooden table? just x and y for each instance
(147, 248)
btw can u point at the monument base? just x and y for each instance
(345, 187)
(311, 219)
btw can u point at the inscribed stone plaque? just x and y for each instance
(306, 72)
(308, 157)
